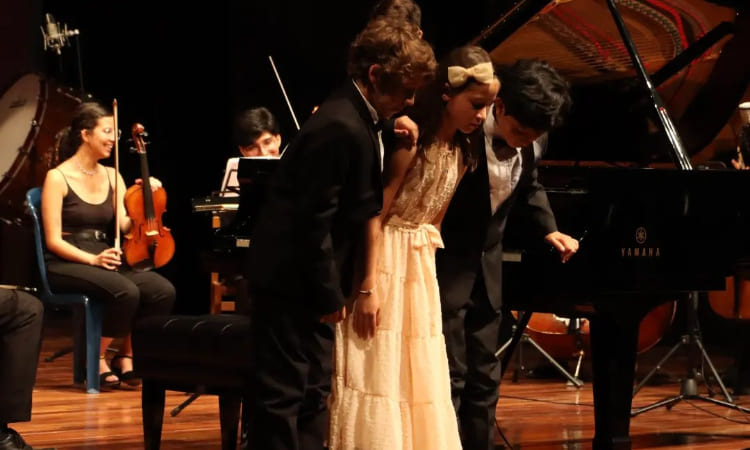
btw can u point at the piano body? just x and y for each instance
(627, 179)
(232, 220)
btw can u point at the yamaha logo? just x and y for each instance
(640, 235)
(640, 251)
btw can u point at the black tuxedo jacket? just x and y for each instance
(473, 236)
(311, 228)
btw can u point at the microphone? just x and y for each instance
(55, 39)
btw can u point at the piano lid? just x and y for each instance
(693, 50)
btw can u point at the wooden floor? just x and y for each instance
(532, 413)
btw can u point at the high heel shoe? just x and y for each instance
(129, 377)
(104, 382)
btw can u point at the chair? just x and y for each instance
(85, 365)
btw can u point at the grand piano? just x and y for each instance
(656, 219)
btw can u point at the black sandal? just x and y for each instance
(129, 377)
(104, 383)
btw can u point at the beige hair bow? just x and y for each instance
(482, 72)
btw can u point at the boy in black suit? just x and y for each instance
(533, 99)
(307, 243)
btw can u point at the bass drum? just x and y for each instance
(33, 111)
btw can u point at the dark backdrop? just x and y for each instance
(184, 72)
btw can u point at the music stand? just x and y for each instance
(689, 386)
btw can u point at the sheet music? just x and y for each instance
(230, 187)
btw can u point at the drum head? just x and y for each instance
(18, 109)
(32, 112)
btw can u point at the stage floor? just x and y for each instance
(533, 413)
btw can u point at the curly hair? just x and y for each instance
(405, 11)
(402, 56)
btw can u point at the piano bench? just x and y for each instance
(208, 354)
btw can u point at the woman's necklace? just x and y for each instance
(90, 173)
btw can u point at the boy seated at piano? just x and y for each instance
(256, 134)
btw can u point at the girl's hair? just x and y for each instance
(86, 117)
(429, 105)
(404, 11)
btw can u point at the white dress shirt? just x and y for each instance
(505, 169)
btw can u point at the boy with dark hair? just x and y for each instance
(533, 99)
(257, 133)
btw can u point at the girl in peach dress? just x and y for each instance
(391, 385)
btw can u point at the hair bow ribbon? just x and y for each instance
(482, 72)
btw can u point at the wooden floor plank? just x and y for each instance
(533, 414)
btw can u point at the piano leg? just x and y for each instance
(614, 341)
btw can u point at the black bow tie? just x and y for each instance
(502, 150)
(378, 126)
(498, 143)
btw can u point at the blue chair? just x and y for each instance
(88, 341)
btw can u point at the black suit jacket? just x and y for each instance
(312, 226)
(473, 236)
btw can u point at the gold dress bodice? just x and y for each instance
(428, 185)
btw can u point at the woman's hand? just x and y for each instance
(110, 259)
(155, 183)
(366, 314)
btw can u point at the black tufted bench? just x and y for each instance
(209, 353)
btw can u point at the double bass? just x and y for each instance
(149, 244)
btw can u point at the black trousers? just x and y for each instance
(293, 366)
(127, 295)
(20, 337)
(471, 338)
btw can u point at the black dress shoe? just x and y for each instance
(11, 440)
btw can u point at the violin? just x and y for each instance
(149, 244)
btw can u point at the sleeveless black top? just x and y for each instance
(80, 216)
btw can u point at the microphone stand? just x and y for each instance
(80, 63)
